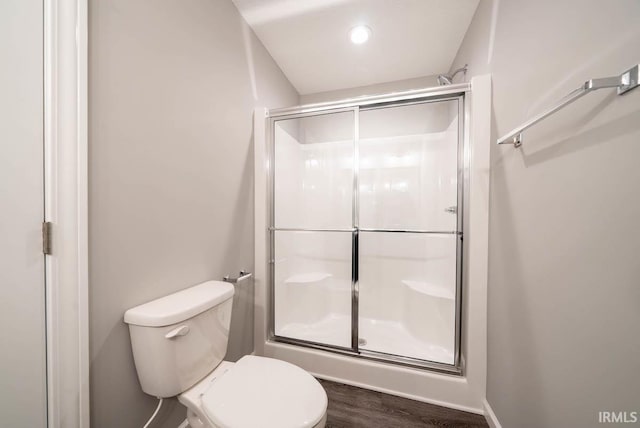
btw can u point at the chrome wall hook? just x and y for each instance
(243, 275)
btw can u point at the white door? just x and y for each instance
(22, 287)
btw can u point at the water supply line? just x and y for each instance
(154, 413)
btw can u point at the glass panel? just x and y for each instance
(313, 286)
(407, 289)
(409, 167)
(314, 171)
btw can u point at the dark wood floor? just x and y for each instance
(351, 407)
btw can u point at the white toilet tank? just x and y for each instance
(180, 338)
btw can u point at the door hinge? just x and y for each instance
(46, 237)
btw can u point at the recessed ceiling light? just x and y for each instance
(360, 34)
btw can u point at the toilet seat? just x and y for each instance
(265, 393)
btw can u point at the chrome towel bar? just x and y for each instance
(624, 82)
(243, 275)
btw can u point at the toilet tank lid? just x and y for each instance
(180, 306)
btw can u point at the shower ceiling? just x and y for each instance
(309, 39)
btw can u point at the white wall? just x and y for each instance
(380, 88)
(172, 91)
(563, 274)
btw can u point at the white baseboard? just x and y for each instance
(492, 420)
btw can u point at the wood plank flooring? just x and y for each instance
(352, 407)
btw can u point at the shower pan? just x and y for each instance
(366, 228)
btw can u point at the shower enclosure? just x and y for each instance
(366, 228)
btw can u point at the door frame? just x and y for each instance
(66, 207)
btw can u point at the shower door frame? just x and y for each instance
(460, 93)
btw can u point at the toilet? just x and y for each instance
(179, 343)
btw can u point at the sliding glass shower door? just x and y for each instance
(313, 228)
(366, 230)
(408, 158)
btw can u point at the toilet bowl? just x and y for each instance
(256, 392)
(179, 342)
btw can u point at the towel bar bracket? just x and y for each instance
(629, 79)
(517, 140)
